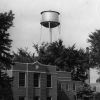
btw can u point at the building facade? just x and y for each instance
(36, 81)
(66, 87)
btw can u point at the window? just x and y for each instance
(67, 87)
(48, 98)
(36, 79)
(59, 86)
(21, 79)
(75, 98)
(74, 86)
(21, 98)
(48, 80)
(36, 98)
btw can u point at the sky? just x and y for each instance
(78, 19)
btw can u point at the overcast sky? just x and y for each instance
(78, 19)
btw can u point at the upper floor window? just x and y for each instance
(21, 79)
(36, 98)
(67, 87)
(36, 79)
(75, 98)
(74, 87)
(59, 86)
(21, 98)
(49, 98)
(49, 80)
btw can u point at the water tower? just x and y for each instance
(50, 20)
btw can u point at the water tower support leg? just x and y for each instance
(50, 31)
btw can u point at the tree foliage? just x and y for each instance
(97, 96)
(6, 86)
(67, 59)
(94, 40)
(56, 54)
(50, 53)
(23, 56)
(6, 21)
(84, 91)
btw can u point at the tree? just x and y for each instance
(68, 59)
(6, 21)
(49, 53)
(85, 92)
(23, 56)
(97, 96)
(94, 40)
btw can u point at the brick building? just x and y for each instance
(36, 81)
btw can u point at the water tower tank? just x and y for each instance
(50, 19)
